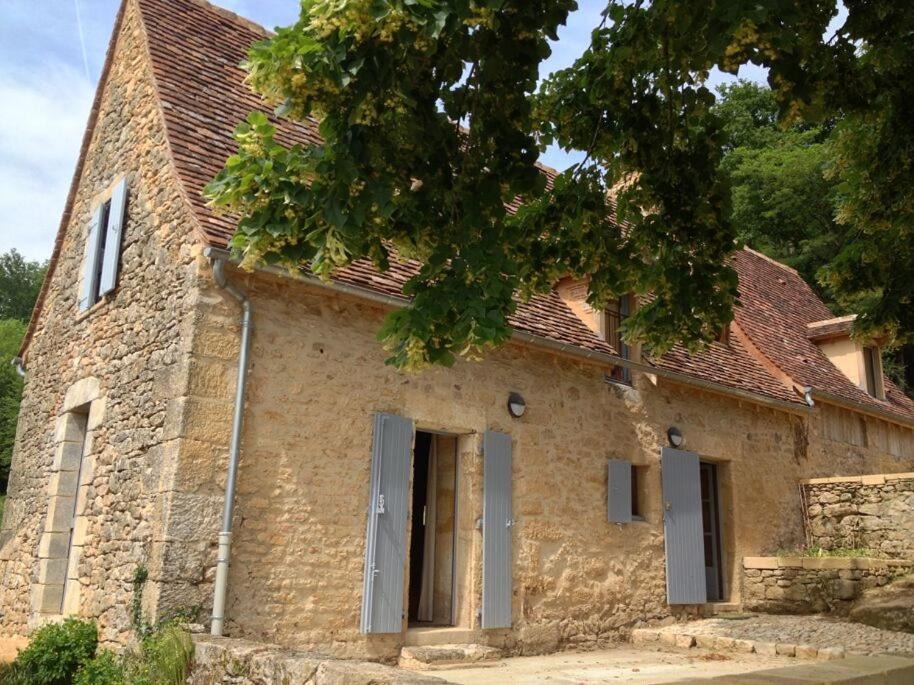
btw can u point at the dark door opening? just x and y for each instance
(432, 548)
(710, 520)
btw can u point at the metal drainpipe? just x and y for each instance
(225, 537)
(20, 366)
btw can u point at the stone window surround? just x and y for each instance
(57, 592)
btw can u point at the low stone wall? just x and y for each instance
(862, 512)
(813, 584)
(224, 661)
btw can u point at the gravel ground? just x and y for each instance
(817, 631)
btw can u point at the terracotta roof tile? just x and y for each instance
(196, 51)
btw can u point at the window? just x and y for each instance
(103, 247)
(872, 370)
(616, 313)
(637, 511)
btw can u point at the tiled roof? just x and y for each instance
(777, 306)
(818, 331)
(196, 50)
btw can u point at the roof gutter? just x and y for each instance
(884, 414)
(573, 351)
(20, 366)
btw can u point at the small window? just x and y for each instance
(871, 366)
(103, 246)
(616, 314)
(637, 514)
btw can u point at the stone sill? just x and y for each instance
(876, 479)
(772, 563)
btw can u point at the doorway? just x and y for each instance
(432, 545)
(710, 520)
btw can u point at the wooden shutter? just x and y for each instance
(89, 294)
(112, 254)
(683, 533)
(388, 509)
(497, 523)
(619, 491)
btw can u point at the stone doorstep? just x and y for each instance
(722, 643)
(857, 670)
(435, 657)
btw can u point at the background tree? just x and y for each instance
(389, 80)
(20, 281)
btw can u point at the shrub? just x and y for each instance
(104, 669)
(55, 653)
(164, 657)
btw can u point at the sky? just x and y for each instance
(51, 55)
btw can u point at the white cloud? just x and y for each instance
(44, 112)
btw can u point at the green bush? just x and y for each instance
(164, 657)
(55, 653)
(104, 669)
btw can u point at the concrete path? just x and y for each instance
(644, 665)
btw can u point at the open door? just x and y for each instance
(682, 527)
(497, 522)
(388, 508)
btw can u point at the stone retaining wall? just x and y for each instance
(870, 512)
(813, 584)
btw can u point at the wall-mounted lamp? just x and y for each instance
(674, 435)
(516, 405)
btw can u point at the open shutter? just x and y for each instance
(682, 529)
(619, 492)
(112, 256)
(497, 522)
(89, 293)
(388, 509)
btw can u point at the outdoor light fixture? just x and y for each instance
(674, 435)
(516, 405)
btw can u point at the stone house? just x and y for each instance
(558, 492)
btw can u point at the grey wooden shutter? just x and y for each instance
(682, 527)
(388, 509)
(112, 254)
(619, 491)
(497, 522)
(89, 293)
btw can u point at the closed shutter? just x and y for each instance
(388, 508)
(619, 491)
(112, 255)
(497, 523)
(89, 293)
(682, 527)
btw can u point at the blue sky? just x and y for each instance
(51, 53)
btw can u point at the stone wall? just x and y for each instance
(865, 512)
(317, 377)
(813, 584)
(132, 347)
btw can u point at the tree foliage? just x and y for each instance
(432, 119)
(11, 332)
(20, 281)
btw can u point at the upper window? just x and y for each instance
(872, 368)
(103, 247)
(616, 313)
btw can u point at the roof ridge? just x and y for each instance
(772, 260)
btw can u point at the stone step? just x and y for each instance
(433, 657)
(438, 635)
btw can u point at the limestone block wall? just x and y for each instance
(134, 347)
(870, 512)
(814, 584)
(317, 377)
